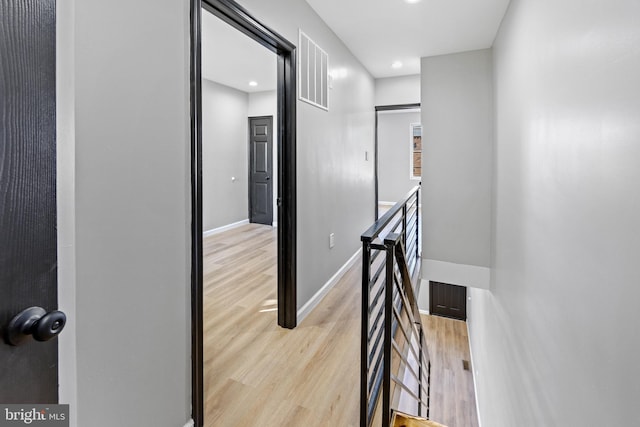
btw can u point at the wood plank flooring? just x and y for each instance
(453, 401)
(258, 374)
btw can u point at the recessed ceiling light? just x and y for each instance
(396, 65)
(253, 83)
(412, 1)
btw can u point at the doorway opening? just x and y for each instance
(397, 156)
(283, 140)
(448, 300)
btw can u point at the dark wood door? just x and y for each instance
(261, 170)
(28, 259)
(448, 300)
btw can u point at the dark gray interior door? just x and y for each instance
(448, 300)
(261, 170)
(28, 263)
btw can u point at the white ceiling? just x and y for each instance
(233, 59)
(380, 32)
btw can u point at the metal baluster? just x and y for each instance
(364, 346)
(388, 321)
(417, 225)
(421, 354)
(404, 224)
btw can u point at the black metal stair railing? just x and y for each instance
(395, 365)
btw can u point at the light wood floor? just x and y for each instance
(258, 374)
(452, 400)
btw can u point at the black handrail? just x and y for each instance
(392, 337)
(380, 225)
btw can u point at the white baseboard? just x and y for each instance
(274, 224)
(425, 312)
(189, 423)
(225, 228)
(315, 300)
(473, 374)
(456, 274)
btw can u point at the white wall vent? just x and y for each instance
(313, 76)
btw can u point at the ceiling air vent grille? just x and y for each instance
(313, 66)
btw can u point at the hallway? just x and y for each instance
(257, 373)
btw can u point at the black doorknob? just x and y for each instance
(268, 178)
(37, 322)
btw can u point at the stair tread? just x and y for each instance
(403, 420)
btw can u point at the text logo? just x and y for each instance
(34, 415)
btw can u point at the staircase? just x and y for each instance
(395, 364)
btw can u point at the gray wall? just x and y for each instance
(263, 104)
(556, 340)
(128, 121)
(395, 154)
(225, 154)
(131, 198)
(398, 90)
(335, 182)
(457, 107)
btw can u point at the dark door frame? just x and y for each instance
(249, 172)
(375, 150)
(235, 15)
